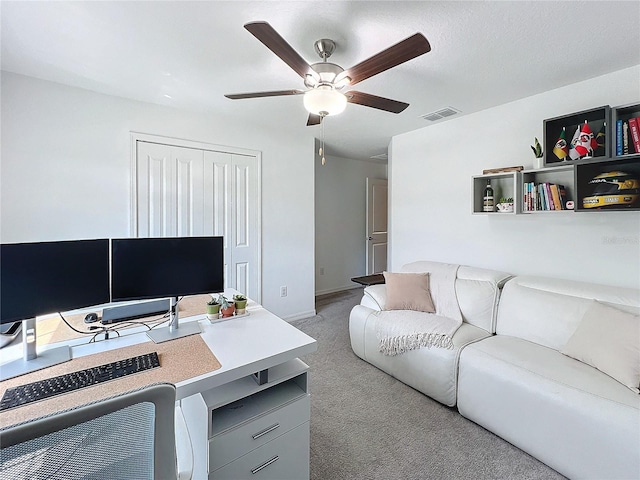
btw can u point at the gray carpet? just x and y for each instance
(367, 425)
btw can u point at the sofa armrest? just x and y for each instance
(375, 297)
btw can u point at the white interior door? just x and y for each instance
(376, 248)
(187, 191)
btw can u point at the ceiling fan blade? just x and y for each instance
(275, 93)
(278, 45)
(314, 120)
(374, 101)
(401, 52)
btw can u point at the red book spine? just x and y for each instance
(634, 126)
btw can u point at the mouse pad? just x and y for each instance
(180, 359)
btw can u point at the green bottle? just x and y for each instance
(488, 202)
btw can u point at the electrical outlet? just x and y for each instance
(321, 270)
(283, 291)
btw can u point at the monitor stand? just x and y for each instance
(31, 361)
(174, 330)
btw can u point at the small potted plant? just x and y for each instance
(537, 152)
(537, 148)
(213, 309)
(505, 205)
(227, 307)
(241, 303)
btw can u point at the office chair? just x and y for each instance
(128, 436)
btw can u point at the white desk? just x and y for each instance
(243, 346)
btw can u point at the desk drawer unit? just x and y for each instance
(235, 442)
(283, 458)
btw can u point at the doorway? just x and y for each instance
(376, 248)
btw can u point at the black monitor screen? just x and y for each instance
(48, 277)
(166, 267)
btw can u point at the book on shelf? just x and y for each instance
(526, 196)
(634, 127)
(562, 192)
(619, 137)
(625, 137)
(547, 196)
(551, 201)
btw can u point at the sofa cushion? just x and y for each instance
(548, 311)
(408, 291)
(609, 340)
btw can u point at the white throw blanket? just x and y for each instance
(399, 331)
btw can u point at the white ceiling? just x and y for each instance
(483, 54)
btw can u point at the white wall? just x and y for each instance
(430, 174)
(65, 169)
(341, 198)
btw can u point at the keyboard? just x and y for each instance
(33, 392)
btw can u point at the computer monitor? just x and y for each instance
(41, 278)
(143, 268)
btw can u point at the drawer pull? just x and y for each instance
(265, 465)
(270, 429)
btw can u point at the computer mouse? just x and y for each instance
(91, 318)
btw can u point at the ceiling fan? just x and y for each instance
(324, 80)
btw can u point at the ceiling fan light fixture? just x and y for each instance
(324, 101)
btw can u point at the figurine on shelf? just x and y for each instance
(561, 148)
(599, 141)
(584, 145)
(573, 153)
(583, 142)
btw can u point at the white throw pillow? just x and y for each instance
(408, 291)
(609, 340)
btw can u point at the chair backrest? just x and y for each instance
(127, 436)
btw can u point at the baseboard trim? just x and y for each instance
(299, 316)
(335, 290)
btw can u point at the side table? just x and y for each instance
(367, 280)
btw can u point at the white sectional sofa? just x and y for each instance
(507, 371)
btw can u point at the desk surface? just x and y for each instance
(242, 345)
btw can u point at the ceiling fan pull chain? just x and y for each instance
(322, 148)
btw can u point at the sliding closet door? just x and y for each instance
(169, 191)
(244, 225)
(184, 191)
(230, 209)
(189, 192)
(156, 194)
(217, 204)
